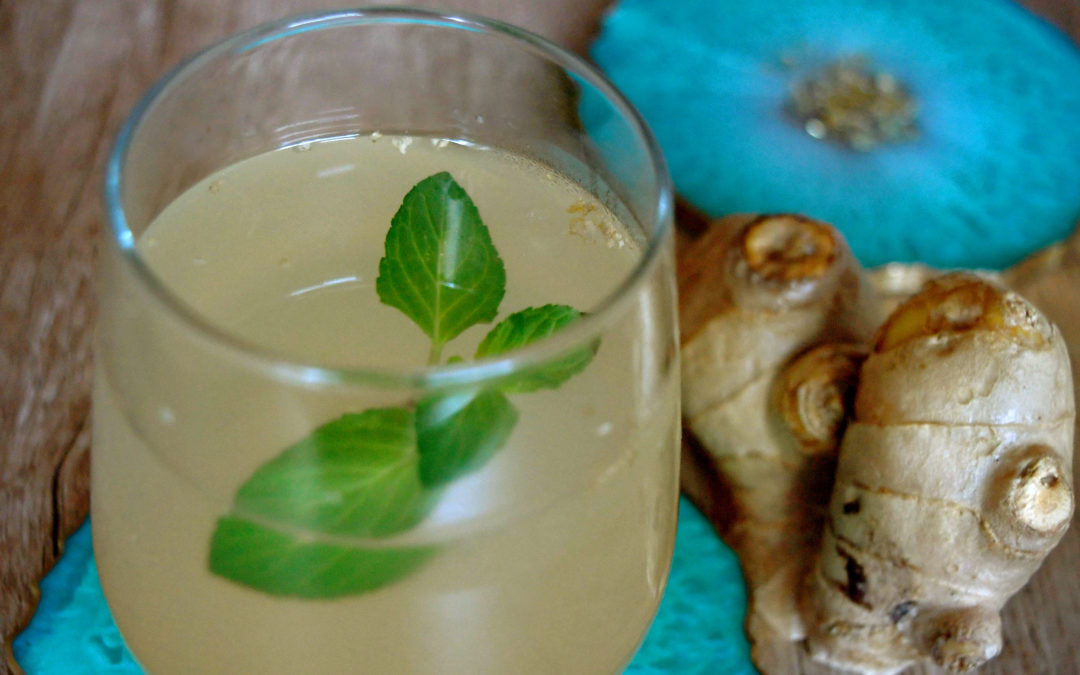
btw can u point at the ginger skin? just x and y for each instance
(954, 481)
(1050, 279)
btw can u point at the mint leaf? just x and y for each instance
(357, 476)
(281, 564)
(460, 432)
(440, 267)
(353, 476)
(529, 325)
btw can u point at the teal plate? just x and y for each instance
(992, 176)
(697, 630)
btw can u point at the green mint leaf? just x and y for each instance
(529, 325)
(357, 475)
(459, 433)
(282, 564)
(440, 267)
(353, 476)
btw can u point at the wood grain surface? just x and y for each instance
(70, 70)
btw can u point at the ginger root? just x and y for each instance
(954, 475)
(754, 292)
(954, 481)
(757, 294)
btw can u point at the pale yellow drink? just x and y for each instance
(550, 559)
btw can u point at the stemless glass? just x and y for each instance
(548, 550)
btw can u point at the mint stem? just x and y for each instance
(435, 355)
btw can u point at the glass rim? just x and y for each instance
(290, 366)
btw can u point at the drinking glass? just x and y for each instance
(227, 533)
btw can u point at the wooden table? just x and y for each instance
(70, 70)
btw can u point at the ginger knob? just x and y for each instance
(960, 640)
(814, 395)
(1030, 502)
(956, 303)
(788, 248)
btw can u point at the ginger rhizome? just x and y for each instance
(756, 295)
(954, 481)
(890, 488)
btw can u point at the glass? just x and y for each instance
(547, 554)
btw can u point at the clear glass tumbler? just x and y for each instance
(387, 361)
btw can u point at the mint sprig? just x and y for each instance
(380, 472)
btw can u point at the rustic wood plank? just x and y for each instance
(52, 136)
